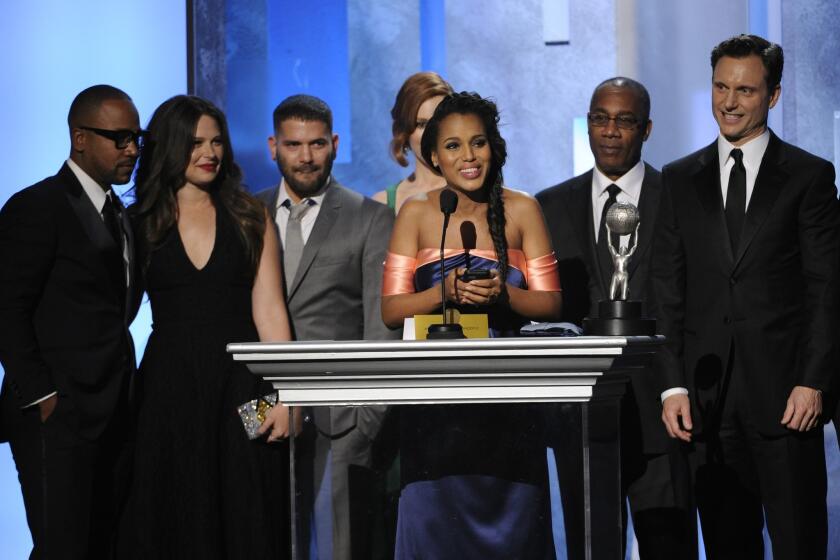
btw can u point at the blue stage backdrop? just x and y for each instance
(269, 49)
(49, 51)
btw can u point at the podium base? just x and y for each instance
(619, 318)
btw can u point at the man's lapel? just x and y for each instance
(707, 185)
(580, 213)
(93, 226)
(648, 204)
(320, 233)
(272, 203)
(768, 184)
(91, 221)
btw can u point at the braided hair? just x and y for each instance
(470, 103)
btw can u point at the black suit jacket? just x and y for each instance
(64, 304)
(568, 212)
(773, 302)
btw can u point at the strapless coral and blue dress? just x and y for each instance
(474, 478)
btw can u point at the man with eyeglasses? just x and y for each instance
(745, 271)
(68, 291)
(618, 124)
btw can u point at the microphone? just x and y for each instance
(448, 204)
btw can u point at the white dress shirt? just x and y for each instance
(631, 189)
(753, 154)
(307, 222)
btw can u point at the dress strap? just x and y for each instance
(398, 276)
(391, 194)
(543, 274)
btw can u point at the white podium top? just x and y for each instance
(349, 373)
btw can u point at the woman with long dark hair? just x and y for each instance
(201, 489)
(415, 104)
(474, 476)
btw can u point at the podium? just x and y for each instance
(592, 371)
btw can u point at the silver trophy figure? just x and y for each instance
(622, 219)
(619, 316)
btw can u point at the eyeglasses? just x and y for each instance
(625, 122)
(121, 138)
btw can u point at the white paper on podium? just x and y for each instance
(408, 328)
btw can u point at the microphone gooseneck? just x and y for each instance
(448, 204)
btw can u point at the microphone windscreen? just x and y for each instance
(448, 201)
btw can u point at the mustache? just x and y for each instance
(307, 168)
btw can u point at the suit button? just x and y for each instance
(726, 320)
(732, 281)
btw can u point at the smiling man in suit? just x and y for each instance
(618, 123)
(68, 292)
(745, 278)
(334, 243)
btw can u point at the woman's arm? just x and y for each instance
(268, 308)
(535, 304)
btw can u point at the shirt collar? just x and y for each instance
(283, 194)
(630, 182)
(753, 150)
(91, 187)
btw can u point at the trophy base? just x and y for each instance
(619, 318)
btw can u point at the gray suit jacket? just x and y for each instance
(337, 289)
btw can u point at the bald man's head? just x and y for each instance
(639, 91)
(104, 134)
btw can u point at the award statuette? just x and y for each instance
(620, 316)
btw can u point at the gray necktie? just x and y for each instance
(294, 239)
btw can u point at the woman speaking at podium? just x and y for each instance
(473, 476)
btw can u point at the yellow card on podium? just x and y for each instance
(475, 325)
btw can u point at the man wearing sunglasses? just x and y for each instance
(68, 291)
(618, 124)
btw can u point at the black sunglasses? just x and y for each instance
(121, 138)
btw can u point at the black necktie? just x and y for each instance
(111, 216)
(736, 198)
(604, 258)
(112, 220)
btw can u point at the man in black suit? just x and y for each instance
(618, 123)
(67, 295)
(745, 279)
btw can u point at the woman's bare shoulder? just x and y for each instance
(519, 201)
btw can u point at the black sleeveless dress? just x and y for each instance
(201, 489)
